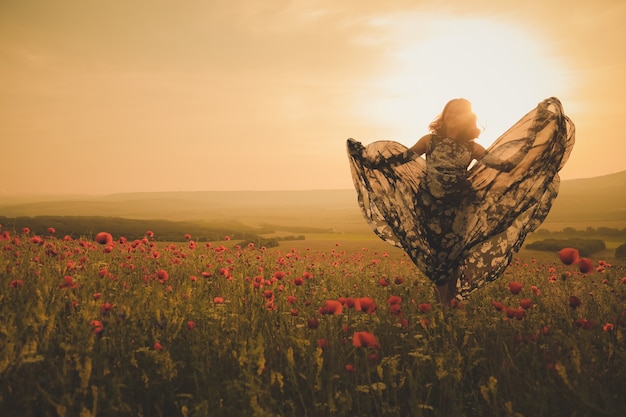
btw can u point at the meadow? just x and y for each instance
(341, 325)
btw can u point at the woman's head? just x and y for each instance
(457, 116)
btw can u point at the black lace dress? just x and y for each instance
(460, 223)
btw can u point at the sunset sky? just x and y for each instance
(100, 97)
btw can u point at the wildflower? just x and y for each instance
(365, 304)
(510, 312)
(364, 339)
(398, 280)
(162, 275)
(322, 343)
(298, 281)
(25, 230)
(535, 290)
(158, 346)
(383, 282)
(104, 238)
(350, 367)
(97, 295)
(498, 305)
(331, 307)
(394, 299)
(574, 301)
(191, 325)
(16, 283)
(526, 303)
(106, 308)
(568, 256)
(68, 282)
(607, 327)
(584, 324)
(97, 326)
(313, 323)
(424, 307)
(515, 287)
(149, 234)
(218, 300)
(295, 312)
(585, 265)
(51, 230)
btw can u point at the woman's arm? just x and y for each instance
(413, 152)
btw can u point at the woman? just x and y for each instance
(461, 225)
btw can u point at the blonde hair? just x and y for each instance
(469, 132)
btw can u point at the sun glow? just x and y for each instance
(501, 69)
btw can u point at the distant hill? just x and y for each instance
(592, 201)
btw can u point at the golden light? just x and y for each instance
(503, 70)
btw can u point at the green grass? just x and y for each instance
(119, 339)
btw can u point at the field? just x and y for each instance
(179, 320)
(335, 325)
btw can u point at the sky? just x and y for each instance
(154, 95)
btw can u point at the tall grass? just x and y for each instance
(140, 328)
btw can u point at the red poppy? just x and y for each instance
(106, 308)
(16, 283)
(498, 305)
(510, 312)
(97, 326)
(515, 287)
(574, 301)
(68, 282)
(365, 304)
(568, 255)
(322, 343)
(394, 299)
(608, 327)
(383, 282)
(104, 238)
(331, 307)
(424, 307)
(585, 265)
(162, 275)
(584, 324)
(350, 367)
(313, 323)
(526, 303)
(298, 281)
(158, 346)
(365, 339)
(218, 300)
(191, 325)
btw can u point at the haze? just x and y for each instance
(125, 96)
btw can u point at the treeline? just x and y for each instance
(600, 232)
(586, 247)
(164, 230)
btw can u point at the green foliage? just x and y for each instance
(225, 332)
(620, 251)
(168, 231)
(586, 247)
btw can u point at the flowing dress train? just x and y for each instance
(464, 223)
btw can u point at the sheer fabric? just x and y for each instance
(460, 223)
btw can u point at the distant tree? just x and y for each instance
(620, 252)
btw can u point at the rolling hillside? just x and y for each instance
(598, 201)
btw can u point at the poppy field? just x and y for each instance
(106, 326)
